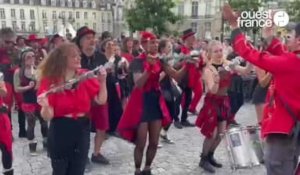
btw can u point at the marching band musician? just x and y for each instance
(192, 81)
(5, 132)
(67, 109)
(115, 109)
(281, 116)
(35, 43)
(90, 59)
(168, 87)
(25, 84)
(9, 61)
(215, 114)
(146, 111)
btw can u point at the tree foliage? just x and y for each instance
(154, 14)
(293, 10)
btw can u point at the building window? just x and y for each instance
(208, 9)
(13, 13)
(69, 3)
(14, 25)
(44, 15)
(43, 2)
(85, 15)
(17, 1)
(77, 25)
(23, 26)
(62, 3)
(26, 1)
(32, 26)
(103, 17)
(181, 9)
(195, 9)
(194, 26)
(94, 15)
(77, 15)
(22, 15)
(207, 26)
(3, 24)
(93, 4)
(2, 14)
(103, 28)
(84, 4)
(32, 14)
(53, 2)
(94, 26)
(55, 27)
(77, 4)
(54, 15)
(44, 26)
(70, 15)
(62, 15)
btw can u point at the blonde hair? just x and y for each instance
(210, 46)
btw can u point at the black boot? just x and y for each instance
(9, 172)
(205, 164)
(213, 161)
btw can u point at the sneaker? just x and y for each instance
(22, 134)
(178, 125)
(187, 124)
(159, 145)
(8, 172)
(45, 143)
(146, 172)
(100, 159)
(88, 166)
(32, 148)
(166, 139)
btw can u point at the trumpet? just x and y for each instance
(194, 55)
(72, 84)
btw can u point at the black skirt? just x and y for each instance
(259, 94)
(151, 106)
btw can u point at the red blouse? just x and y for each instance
(73, 101)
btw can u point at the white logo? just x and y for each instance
(281, 18)
(262, 19)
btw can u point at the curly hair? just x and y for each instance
(55, 65)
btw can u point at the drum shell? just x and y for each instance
(244, 146)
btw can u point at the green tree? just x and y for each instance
(247, 5)
(293, 10)
(154, 14)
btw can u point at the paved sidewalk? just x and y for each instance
(182, 158)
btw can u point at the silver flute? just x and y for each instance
(71, 84)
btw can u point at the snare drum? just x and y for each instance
(244, 146)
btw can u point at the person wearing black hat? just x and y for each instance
(191, 82)
(85, 40)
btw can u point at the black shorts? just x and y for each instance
(151, 106)
(259, 95)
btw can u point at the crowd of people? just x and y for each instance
(142, 86)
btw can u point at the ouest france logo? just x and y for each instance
(262, 19)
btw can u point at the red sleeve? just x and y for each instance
(264, 60)
(44, 86)
(92, 87)
(276, 47)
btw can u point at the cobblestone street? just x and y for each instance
(182, 158)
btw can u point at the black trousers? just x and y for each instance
(68, 144)
(236, 101)
(6, 157)
(187, 92)
(31, 120)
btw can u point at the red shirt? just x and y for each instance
(73, 101)
(285, 69)
(129, 57)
